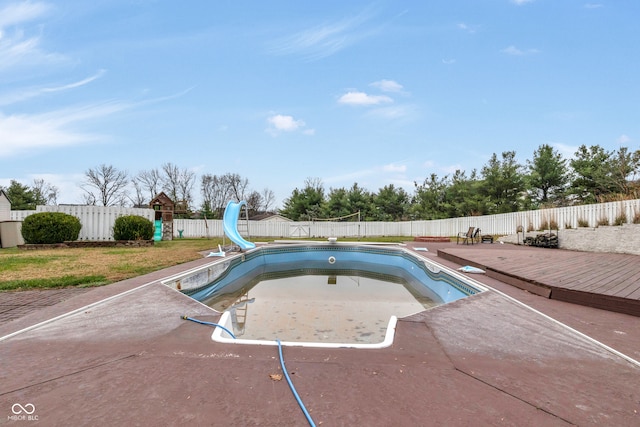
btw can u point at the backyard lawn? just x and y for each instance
(82, 267)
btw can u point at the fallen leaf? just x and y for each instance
(275, 377)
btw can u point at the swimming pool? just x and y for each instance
(292, 292)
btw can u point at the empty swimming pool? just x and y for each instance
(328, 295)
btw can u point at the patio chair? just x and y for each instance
(468, 236)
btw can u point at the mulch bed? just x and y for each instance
(431, 239)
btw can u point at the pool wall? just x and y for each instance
(220, 335)
(212, 279)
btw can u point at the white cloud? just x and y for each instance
(623, 139)
(25, 94)
(16, 48)
(361, 98)
(387, 85)
(281, 123)
(393, 112)
(392, 167)
(512, 50)
(18, 13)
(593, 5)
(24, 133)
(567, 151)
(324, 40)
(448, 61)
(521, 2)
(468, 28)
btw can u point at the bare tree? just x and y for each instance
(105, 185)
(237, 185)
(214, 192)
(254, 202)
(268, 198)
(178, 183)
(44, 193)
(147, 184)
(138, 199)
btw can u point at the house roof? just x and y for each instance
(269, 217)
(162, 199)
(3, 193)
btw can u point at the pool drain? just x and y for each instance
(332, 260)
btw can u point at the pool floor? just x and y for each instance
(321, 308)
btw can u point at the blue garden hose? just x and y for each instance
(284, 369)
(293, 389)
(210, 324)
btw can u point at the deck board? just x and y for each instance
(604, 280)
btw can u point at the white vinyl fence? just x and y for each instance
(97, 222)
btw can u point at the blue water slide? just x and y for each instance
(230, 225)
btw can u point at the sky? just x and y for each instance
(368, 92)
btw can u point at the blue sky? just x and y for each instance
(382, 92)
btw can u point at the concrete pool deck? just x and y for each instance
(484, 360)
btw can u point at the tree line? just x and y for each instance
(502, 185)
(106, 185)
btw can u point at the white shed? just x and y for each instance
(5, 207)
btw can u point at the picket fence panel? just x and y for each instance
(97, 222)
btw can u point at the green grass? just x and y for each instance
(58, 282)
(59, 268)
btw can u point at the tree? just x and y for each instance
(178, 183)
(547, 176)
(106, 186)
(268, 199)
(21, 196)
(463, 196)
(307, 203)
(624, 169)
(591, 167)
(428, 200)
(337, 204)
(44, 193)
(147, 185)
(214, 194)
(390, 203)
(254, 202)
(237, 186)
(503, 183)
(360, 200)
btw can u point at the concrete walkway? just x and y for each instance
(487, 360)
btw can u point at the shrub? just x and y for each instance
(620, 219)
(583, 222)
(50, 227)
(603, 221)
(132, 227)
(543, 225)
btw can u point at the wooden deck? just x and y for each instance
(602, 280)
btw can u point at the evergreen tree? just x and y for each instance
(548, 177)
(503, 183)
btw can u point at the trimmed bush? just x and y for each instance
(133, 227)
(50, 227)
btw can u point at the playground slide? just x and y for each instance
(157, 232)
(230, 225)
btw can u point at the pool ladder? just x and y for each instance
(239, 313)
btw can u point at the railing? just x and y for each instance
(97, 222)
